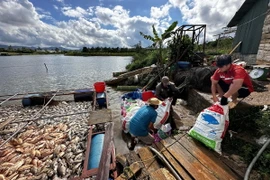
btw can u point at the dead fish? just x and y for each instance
(78, 157)
(7, 131)
(34, 170)
(61, 170)
(2, 177)
(8, 157)
(61, 154)
(6, 164)
(13, 176)
(75, 140)
(26, 134)
(69, 155)
(15, 158)
(6, 151)
(16, 166)
(25, 167)
(57, 150)
(75, 167)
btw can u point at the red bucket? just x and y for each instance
(147, 95)
(99, 87)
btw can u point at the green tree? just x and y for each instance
(158, 41)
(10, 48)
(84, 49)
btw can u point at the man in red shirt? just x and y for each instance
(230, 80)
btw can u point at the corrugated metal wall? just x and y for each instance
(250, 32)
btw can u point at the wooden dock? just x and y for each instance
(189, 158)
(192, 160)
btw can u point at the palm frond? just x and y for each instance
(169, 30)
(148, 37)
(157, 38)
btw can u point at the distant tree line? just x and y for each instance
(135, 48)
(26, 50)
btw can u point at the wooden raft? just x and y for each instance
(192, 160)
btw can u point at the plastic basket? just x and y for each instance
(147, 95)
(99, 87)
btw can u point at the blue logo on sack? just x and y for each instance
(210, 119)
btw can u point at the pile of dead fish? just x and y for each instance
(50, 146)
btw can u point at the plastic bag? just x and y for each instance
(163, 111)
(211, 125)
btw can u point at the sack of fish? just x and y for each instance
(211, 125)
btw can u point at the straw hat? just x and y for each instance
(154, 101)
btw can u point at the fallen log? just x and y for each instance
(126, 75)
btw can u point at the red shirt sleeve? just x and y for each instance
(216, 76)
(239, 73)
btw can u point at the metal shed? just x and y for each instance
(249, 20)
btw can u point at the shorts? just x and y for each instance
(148, 140)
(242, 92)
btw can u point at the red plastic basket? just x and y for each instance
(99, 87)
(147, 95)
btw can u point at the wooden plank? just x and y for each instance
(162, 174)
(187, 160)
(133, 157)
(130, 171)
(87, 152)
(148, 159)
(180, 170)
(105, 160)
(100, 116)
(207, 158)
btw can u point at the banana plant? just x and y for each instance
(158, 41)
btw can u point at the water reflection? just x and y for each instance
(22, 74)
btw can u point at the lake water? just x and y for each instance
(23, 74)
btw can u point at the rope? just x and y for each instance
(253, 19)
(8, 99)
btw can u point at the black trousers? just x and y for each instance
(243, 91)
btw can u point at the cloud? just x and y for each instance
(18, 14)
(160, 12)
(215, 15)
(61, 1)
(55, 7)
(74, 33)
(77, 12)
(23, 24)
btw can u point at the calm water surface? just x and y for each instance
(22, 74)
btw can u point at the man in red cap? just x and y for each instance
(230, 80)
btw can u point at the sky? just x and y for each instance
(105, 23)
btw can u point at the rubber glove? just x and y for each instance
(223, 101)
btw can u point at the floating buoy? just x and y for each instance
(83, 95)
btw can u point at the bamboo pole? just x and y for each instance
(235, 47)
(8, 99)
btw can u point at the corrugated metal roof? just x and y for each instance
(246, 6)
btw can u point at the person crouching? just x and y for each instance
(141, 124)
